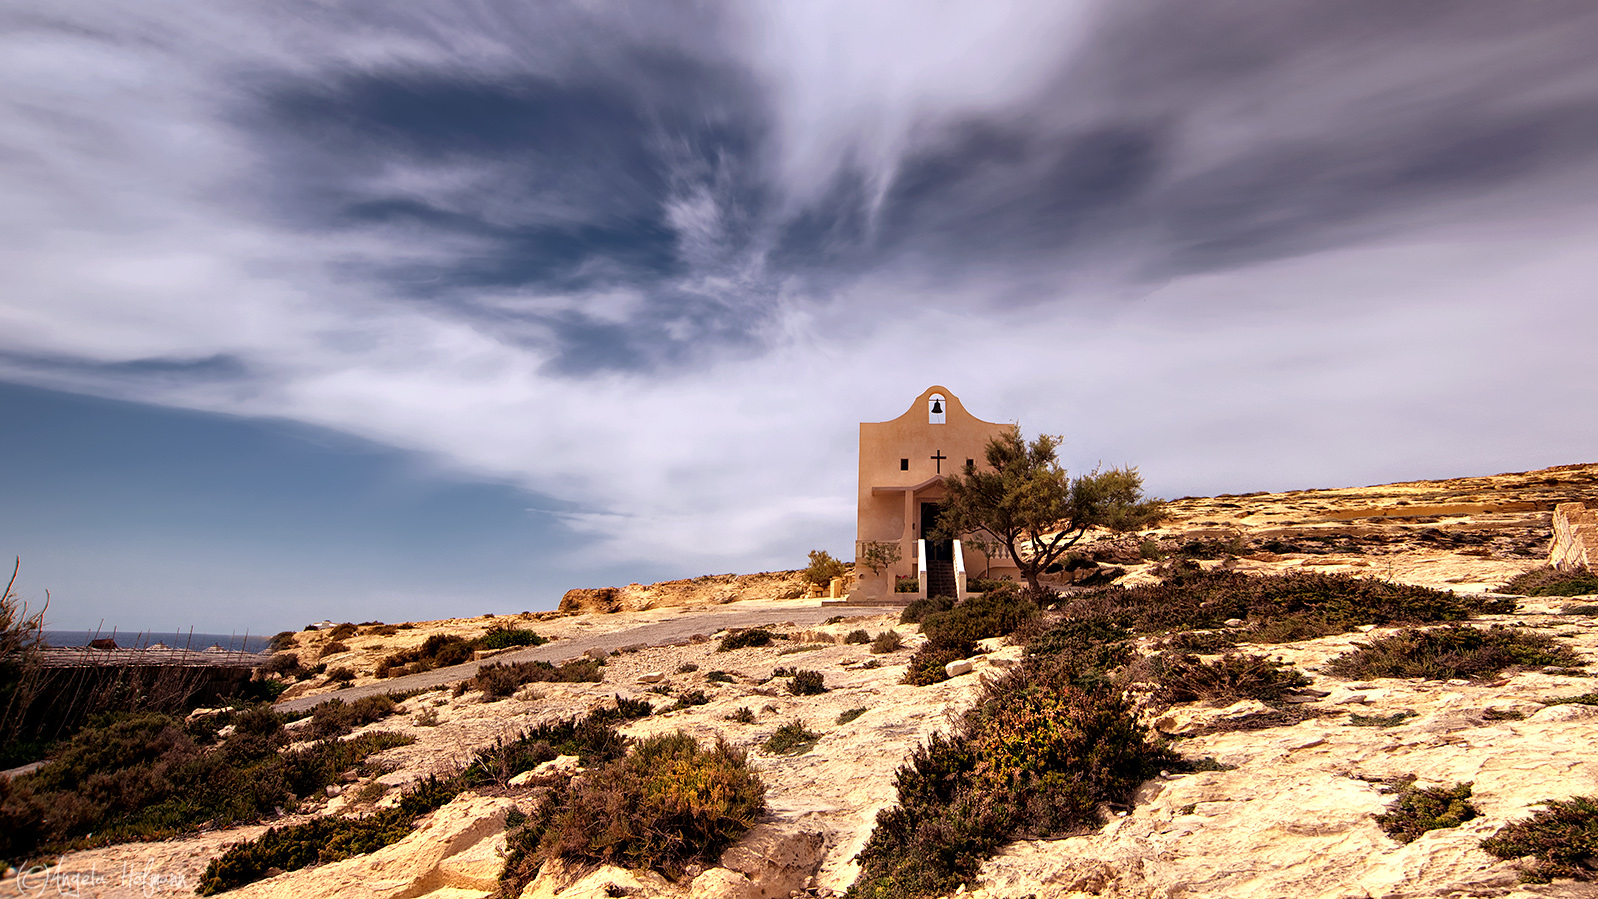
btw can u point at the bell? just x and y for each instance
(937, 407)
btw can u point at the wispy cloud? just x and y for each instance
(655, 261)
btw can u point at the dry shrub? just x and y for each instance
(887, 641)
(1454, 651)
(807, 683)
(1184, 677)
(743, 639)
(1560, 840)
(1549, 581)
(497, 680)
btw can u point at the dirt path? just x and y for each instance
(660, 633)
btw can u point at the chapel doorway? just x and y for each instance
(938, 550)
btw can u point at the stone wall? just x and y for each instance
(1575, 537)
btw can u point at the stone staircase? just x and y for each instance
(940, 579)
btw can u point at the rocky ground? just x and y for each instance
(1294, 817)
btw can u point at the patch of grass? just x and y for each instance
(720, 677)
(1090, 649)
(1393, 720)
(1454, 651)
(427, 717)
(1420, 809)
(746, 638)
(666, 805)
(792, 738)
(1590, 698)
(1549, 581)
(807, 683)
(887, 641)
(744, 715)
(1184, 677)
(1580, 608)
(1560, 840)
(803, 647)
(1503, 715)
(847, 716)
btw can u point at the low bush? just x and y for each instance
(1420, 809)
(286, 664)
(506, 637)
(1279, 608)
(1454, 651)
(719, 677)
(792, 738)
(150, 776)
(847, 716)
(1203, 642)
(744, 715)
(919, 609)
(1357, 720)
(333, 647)
(334, 718)
(857, 635)
(1038, 757)
(343, 631)
(1550, 581)
(926, 665)
(689, 700)
(343, 674)
(497, 680)
(666, 805)
(1087, 650)
(1560, 840)
(807, 683)
(687, 668)
(886, 642)
(743, 639)
(281, 641)
(437, 651)
(1184, 677)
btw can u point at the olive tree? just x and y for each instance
(1031, 506)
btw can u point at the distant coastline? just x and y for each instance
(139, 639)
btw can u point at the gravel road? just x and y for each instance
(660, 633)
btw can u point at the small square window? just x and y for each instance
(970, 463)
(904, 464)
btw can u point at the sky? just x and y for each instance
(370, 311)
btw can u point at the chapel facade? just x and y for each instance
(902, 466)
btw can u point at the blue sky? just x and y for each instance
(361, 311)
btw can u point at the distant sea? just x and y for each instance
(139, 639)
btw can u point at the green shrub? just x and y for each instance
(1036, 758)
(1429, 808)
(1089, 649)
(906, 584)
(335, 718)
(1454, 651)
(850, 715)
(886, 642)
(743, 639)
(823, 568)
(919, 609)
(1549, 581)
(857, 635)
(666, 805)
(506, 637)
(1184, 677)
(1561, 841)
(792, 738)
(437, 651)
(997, 613)
(926, 665)
(1357, 720)
(807, 683)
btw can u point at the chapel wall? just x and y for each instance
(1575, 542)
